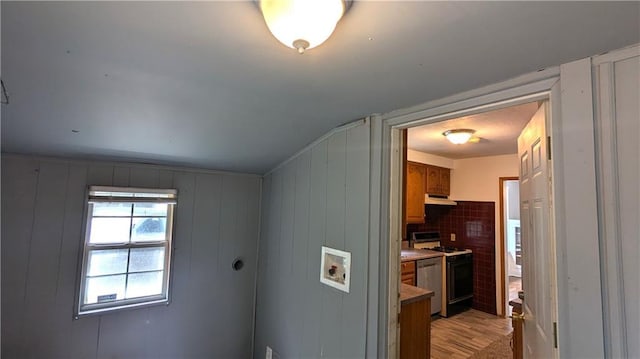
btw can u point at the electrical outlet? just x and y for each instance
(269, 353)
(453, 237)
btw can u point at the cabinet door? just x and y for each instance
(445, 181)
(415, 329)
(415, 193)
(409, 280)
(408, 273)
(433, 180)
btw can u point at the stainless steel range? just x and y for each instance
(457, 276)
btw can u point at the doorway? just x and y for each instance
(504, 225)
(511, 240)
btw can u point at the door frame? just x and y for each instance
(503, 247)
(511, 100)
(575, 215)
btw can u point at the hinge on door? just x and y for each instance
(398, 322)
(555, 335)
(549, 147)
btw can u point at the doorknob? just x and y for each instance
(521, 294)
(517, 316)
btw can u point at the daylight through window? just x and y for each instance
(127, 248)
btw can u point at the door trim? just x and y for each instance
(503, 251)
(579, 291)
(533, 88)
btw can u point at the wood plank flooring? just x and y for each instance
(465, 334)
(515, 285)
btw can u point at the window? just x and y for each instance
(127, 249)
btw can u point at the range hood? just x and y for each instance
(439, 200)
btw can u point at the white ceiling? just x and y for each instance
(205, 84)
(496, 131)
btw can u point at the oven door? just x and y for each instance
(459, 278)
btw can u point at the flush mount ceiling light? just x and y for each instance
(302, 24)
(458, 136)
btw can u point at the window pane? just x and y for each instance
(107, 261)
(144, 284)
(111, 209)
(104, 289)
(126, 247)
(146, 259)
(150, 209)
(109, 230)
(149, 229)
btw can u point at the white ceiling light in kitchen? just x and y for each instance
(302, 24)
(458, 136)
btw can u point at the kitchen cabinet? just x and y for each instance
(415, 190)
(415, 322)
(438, 180)
(408, 275)
(421, 179)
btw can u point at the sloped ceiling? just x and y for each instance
(205, 84)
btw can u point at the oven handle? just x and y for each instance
(449, 284)
(461, 299)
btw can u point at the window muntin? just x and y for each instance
(127, 249)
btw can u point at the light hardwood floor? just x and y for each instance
(465, 334)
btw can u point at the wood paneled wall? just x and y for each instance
(617, 91)
(211, 309)
(321, 197)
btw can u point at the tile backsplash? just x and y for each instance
(473, 224)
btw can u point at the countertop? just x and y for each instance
(410, 294)
(407, 255)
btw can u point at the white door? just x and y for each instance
(538, 244)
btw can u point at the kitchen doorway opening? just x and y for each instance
(398, 209)
(510, 240)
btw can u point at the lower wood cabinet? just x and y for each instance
(408, 271)
(415, 330)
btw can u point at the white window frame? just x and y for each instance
(106, 194)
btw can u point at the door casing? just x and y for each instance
(396, 223)
(386, 156)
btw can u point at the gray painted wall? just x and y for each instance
(320, 197)
(211, 312)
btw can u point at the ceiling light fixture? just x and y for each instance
(302, 24)
(459, 136)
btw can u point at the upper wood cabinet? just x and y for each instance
(423, 179)
(415, 190)
(438, 180)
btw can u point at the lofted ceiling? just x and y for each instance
(205, 84)
(496, 133)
